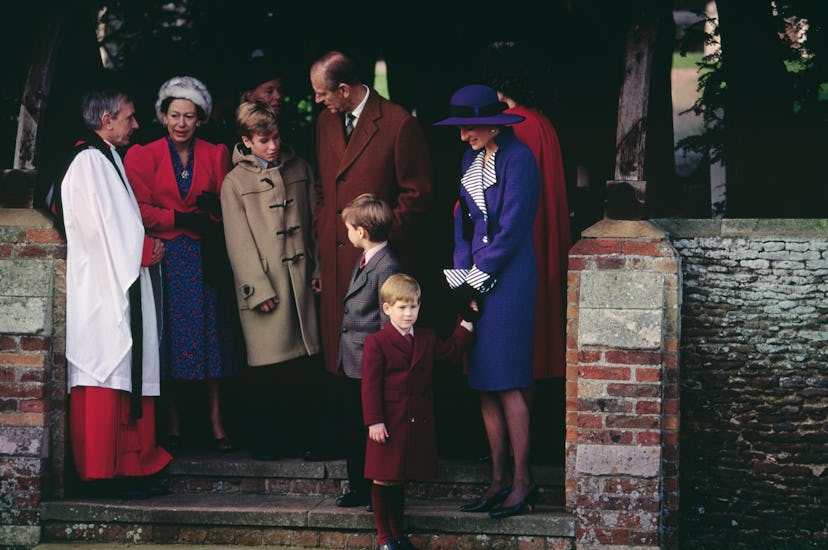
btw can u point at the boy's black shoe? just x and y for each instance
(390, 545)
(99, 488)
(352, 499)
(405, 544)
(320, 455)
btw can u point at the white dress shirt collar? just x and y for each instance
(358, 109)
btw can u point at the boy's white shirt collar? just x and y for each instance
(411, 332)
(371, 252)
(264, 162)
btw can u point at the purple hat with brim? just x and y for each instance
(477, 104)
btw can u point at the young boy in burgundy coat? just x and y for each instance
(397, 403)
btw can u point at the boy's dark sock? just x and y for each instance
(380, 502)
(396, 510)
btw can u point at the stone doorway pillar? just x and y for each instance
(622, 400)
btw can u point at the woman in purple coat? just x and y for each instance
(494, 264)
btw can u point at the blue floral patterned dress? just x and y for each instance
(192, 344)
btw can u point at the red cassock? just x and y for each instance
(552, 243)
(106, 442)
(396, 390)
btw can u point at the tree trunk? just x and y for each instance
(759, 133)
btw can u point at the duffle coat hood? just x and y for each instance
(267, 226)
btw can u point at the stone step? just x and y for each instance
(311, 521)
(114, 546)
(212, 472)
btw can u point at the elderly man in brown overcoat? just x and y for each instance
(386, 154)
(364, 144)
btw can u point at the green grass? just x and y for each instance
(689, 61)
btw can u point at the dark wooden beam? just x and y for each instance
(626, 196)
(36, 93)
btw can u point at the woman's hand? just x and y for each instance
(468, 302)
(157, 251)
(378, 433)
(209, 202)
(267, 306)
(316, 285)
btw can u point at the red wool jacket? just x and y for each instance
(149, 170)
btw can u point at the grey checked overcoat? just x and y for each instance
(362, 309)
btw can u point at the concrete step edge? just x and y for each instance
(239, 464)
(300, 512)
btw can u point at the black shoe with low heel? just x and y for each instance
(526, 505)
(222, 444)
(486, 504)
(352, 499)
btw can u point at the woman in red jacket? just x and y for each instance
(176, 180)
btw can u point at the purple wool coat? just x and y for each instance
(502, 246)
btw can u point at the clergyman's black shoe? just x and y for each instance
(153, 487)
(390, 545)
(129, 488)
(99, 488)
(352, 499)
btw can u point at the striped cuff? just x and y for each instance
(455, 277)
(480, 280)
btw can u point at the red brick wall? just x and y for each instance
(622, 396)
(31, 370)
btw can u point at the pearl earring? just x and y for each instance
(492, 131)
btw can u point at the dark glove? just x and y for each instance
(195, 222)
(463, 296)
(209, 202)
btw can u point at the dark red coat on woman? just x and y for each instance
(387, 155)
(396, 390)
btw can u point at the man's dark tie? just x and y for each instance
(349, 126)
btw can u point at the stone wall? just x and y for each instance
(32, 305)
(753, 334)
(754, 381)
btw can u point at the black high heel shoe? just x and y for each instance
(527, 505)
(486, 504)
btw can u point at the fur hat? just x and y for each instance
(184, 87)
